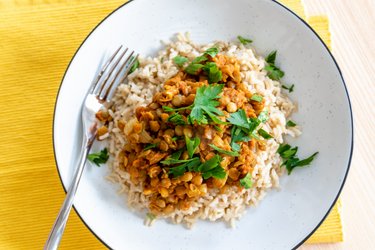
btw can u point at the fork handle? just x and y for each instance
(57, 231)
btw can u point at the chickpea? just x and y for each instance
(193, 191)
(197, 180)
(203, 188)
(209, 155)
(169, 132)
(180, 190)
(121, 124)
(154, 126)
(147, 191)
(102, 131)
(233, 174)
(102, 115)
(163, 146)
(187, 177)
(165, 183)
(169, 209)
(163, 192)
(184, 205)
(190, 99)
(178, 130)
(164, 117)
(185, 155)
(231, 107)
(178, 100)
(137, 128)
(154, 171)
(159, 112)
(188, 132)
(154, 182)
(154, 105)
(225, 100)
(219, 183)
(160, 203)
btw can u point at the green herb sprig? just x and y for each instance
(99, 158)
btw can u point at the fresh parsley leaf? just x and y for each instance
(212, 168)
(212, 51)
(290, 89)
(134, 66)
(176, 119)
(292, 163)
(169, 109)
(239, 119)
(213, 72)
(150, 146)
(189, 165)
(238, 135)
(291, 123)
(271, 58)
(194, 68)
(263, 116)
(192, 145)
(274, 72)
(230, 153)
(99, 158)
(180, 60)
(204, 105)
(257, 98)
(264, 134)
(246, 182)
(217, 173)
(243, 40)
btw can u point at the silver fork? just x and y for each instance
(114, 71)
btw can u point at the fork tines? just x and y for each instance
(114, 71)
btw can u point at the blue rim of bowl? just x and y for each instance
(311, 29)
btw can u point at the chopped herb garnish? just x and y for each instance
(271, 58)
(243, 40)
(192, 145)
(180, 60)
(264, 134)
(246, 182)
(212, 51)
(99, 158)
(257, 98)
(238, 135)
(212, 168)
(290, 88)
(291, 123)
(176, 119)
(263, 116)
(189, 165)
(239, 119)
(213, 72)
(209, 168)
(134, 66)
(273, 72)
(230, 153)
(150, 146)
(197, 64)
(204, 106)
(194, 68)
(291, 161)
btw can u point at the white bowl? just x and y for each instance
(286, 217)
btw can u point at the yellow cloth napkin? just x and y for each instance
(37, 40)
